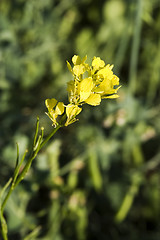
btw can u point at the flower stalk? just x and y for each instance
(18, 176)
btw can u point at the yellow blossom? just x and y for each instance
(90, 85)
(54, 109)
(97, 63)
(79, 69)
(105, 72)
(72, 111)
(76, 60)
(50, 103)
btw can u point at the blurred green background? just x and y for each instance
(98, 179)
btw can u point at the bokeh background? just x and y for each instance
(99, 178)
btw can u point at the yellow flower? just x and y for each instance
(79, 69)
(106, 89)
(72, 111)
(90, 85)
(77, 60)
(54, 109)
(105, 72)
(100, 83)
(106, 82)
(50, 103)
(86, 92)
(97, 63)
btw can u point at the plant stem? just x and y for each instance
(49, 136)
(4, 228)
(37, 145)
(135, 48)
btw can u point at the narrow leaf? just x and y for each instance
(19, 166)
(17, 160)
(36, 132)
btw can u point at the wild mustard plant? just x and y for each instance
(90, 85)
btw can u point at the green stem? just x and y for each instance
(36, 132)
(129, 198)
(37, 145)
(135, 47)
(2, 219)
(25, 169)
(6, 198)
(49, 136)
(61, 124)
(4, 228)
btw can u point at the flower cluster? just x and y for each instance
(90, 85)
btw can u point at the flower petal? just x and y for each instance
(50, 103)
(94, 99)
(111, 96)
(59, 108)
(85, 88)
(97, 63)
(72, 110)
(106, 72)
(76, 60)
(79, 69)
(69, 67)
